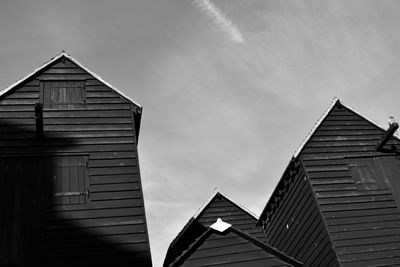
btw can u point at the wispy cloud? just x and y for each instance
(220, 19)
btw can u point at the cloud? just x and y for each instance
(221, 20)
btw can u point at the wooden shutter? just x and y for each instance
(367, 174)
(64, 94)
(69, 183)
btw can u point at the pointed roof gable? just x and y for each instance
(231, 246)
(53, 60)
(335, 104)
(217, 206)
(340, 132)
(355, 187)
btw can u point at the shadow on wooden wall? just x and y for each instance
(47, 217)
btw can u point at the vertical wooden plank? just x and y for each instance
(81, 88)
(64, 179)
(56, 179)
(41, 92)
(86, 178)
(46, 95)
(81, 179)
(73, 178)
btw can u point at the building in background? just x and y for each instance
(223, 233)
(70, 185)
(337, 203)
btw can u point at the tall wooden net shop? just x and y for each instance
(70, 189)
(71, 194)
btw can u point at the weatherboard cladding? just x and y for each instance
(295, 226)
(232, 248)
(363, 219)
(218, 207)
(356, 190)
(110, 229)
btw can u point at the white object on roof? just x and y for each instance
(77, 63)
(220, 225)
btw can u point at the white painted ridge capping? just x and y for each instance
(321, 119)
(220, 225)
(63, 53)
(211, 197)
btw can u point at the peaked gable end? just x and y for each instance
(356, 187)
(218, 206)
(342, 132)
(67, 73)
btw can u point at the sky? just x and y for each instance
(230, 88)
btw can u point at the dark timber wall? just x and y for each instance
(218, 207)
(294, 224)
(106, 225)
(233, 248)
(356, 188)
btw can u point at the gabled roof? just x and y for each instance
(214, 194)
(54, 59)
(244, 250)
(334, 102)
(334, 105)
(217, 205)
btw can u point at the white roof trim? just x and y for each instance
(211, 197)
(316, 125)
(77, 63)
(321, 119)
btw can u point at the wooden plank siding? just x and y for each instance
(347, 191)
(295, 226)
(363, 221)
(109, 230)
(218, 207)
(232, 248)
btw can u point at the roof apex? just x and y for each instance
(66, 55)
(214, 194)
(335, 101)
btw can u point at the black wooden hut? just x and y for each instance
(223, 233)
(338, 201)
(70, 186)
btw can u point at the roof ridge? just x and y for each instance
(52, 60)
(322, 118)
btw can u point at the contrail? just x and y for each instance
(221, 20)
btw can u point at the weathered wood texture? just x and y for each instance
(231, 248)
(218, 207)
(294, 224)
(356, 189)
(110, 229)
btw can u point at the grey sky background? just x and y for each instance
(230, 88)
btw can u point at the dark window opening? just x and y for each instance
(64, 94)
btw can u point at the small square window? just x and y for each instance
(64, 94)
